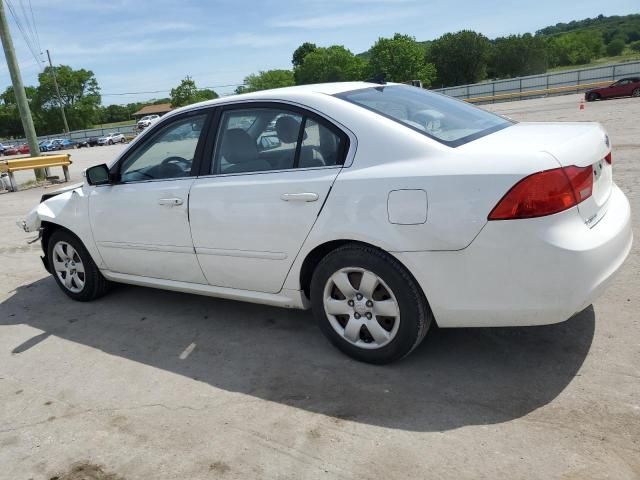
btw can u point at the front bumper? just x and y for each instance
(525, 272)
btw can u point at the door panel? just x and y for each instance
(247, 229)
(143, 229)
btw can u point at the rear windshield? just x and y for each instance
(445, 119)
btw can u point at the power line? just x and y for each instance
(27, 21)
(26, 37)
(17, 21)
(168, 90)
(35, 27)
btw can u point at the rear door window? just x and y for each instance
(266, 139)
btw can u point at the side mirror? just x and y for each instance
(98, 175)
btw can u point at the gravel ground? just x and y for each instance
(106, 390)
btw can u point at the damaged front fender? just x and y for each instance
(67, 209)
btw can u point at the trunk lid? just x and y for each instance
(580, 143)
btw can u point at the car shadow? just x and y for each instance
(457, 377)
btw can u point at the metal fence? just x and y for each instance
(79, 135)
(558, 83)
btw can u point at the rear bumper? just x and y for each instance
(525, 272)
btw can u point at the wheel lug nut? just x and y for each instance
(359, 296)
(356, 315)
(350, 303)
(368, 315)
(369, 303)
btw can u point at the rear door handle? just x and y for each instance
(170, 202)
(299, 197)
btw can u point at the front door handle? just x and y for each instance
(299, 197)
(170, 202)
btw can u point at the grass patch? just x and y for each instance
(115, 124)
(628, 56)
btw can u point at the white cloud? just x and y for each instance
(340, 20)
(252, 40)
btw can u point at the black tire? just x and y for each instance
(95, 285)
(415, 314)
(123, 140)
(592, 97)
(110, 142)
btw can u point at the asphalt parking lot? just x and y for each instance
(149, 384)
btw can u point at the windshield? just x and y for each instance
(449, 121)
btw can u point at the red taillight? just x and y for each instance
(545, 193)
(608, 158)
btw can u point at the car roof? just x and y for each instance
(286, 93)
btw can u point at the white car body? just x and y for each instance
(147, 120)
(111, 138)
(423, 202)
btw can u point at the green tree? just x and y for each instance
(615, 47)
(187, 93)
(332, 64)
(574, 48)
(400, 59)
(301, 52)
(460, 57)
(518, 55)
(266, 80)
(635, 46)
(80, 95)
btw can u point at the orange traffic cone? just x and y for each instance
(581, 107)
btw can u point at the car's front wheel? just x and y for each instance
(592, 97)
(73, 268)
(368, 304)
(123, 140)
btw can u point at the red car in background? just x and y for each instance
(17, 150)
(625, 87)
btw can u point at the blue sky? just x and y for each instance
(142, 45)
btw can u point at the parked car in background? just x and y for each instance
(147, 120)
(17, 150)
(49, 145)
(64, 144)
(88, 142)
(2, 148)
(625, 87)
(385, 209)
(111, 138)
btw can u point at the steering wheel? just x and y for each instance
(176, 159)
(175, 166)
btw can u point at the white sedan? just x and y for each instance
(112, 138)
(147, 120)
(384, 208)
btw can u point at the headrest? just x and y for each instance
(238, 146)
(287, 129)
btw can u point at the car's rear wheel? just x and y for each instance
(592, 97)
(73, 268)
(123, 140)
(368, 304)
(636, 92)
(110, 142)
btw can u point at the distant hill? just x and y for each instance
(609, 26)
(626, 26)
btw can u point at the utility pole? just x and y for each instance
(18, 88)
(55, 82)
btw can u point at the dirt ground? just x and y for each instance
(146, 384)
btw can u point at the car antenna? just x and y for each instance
(377, 78)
